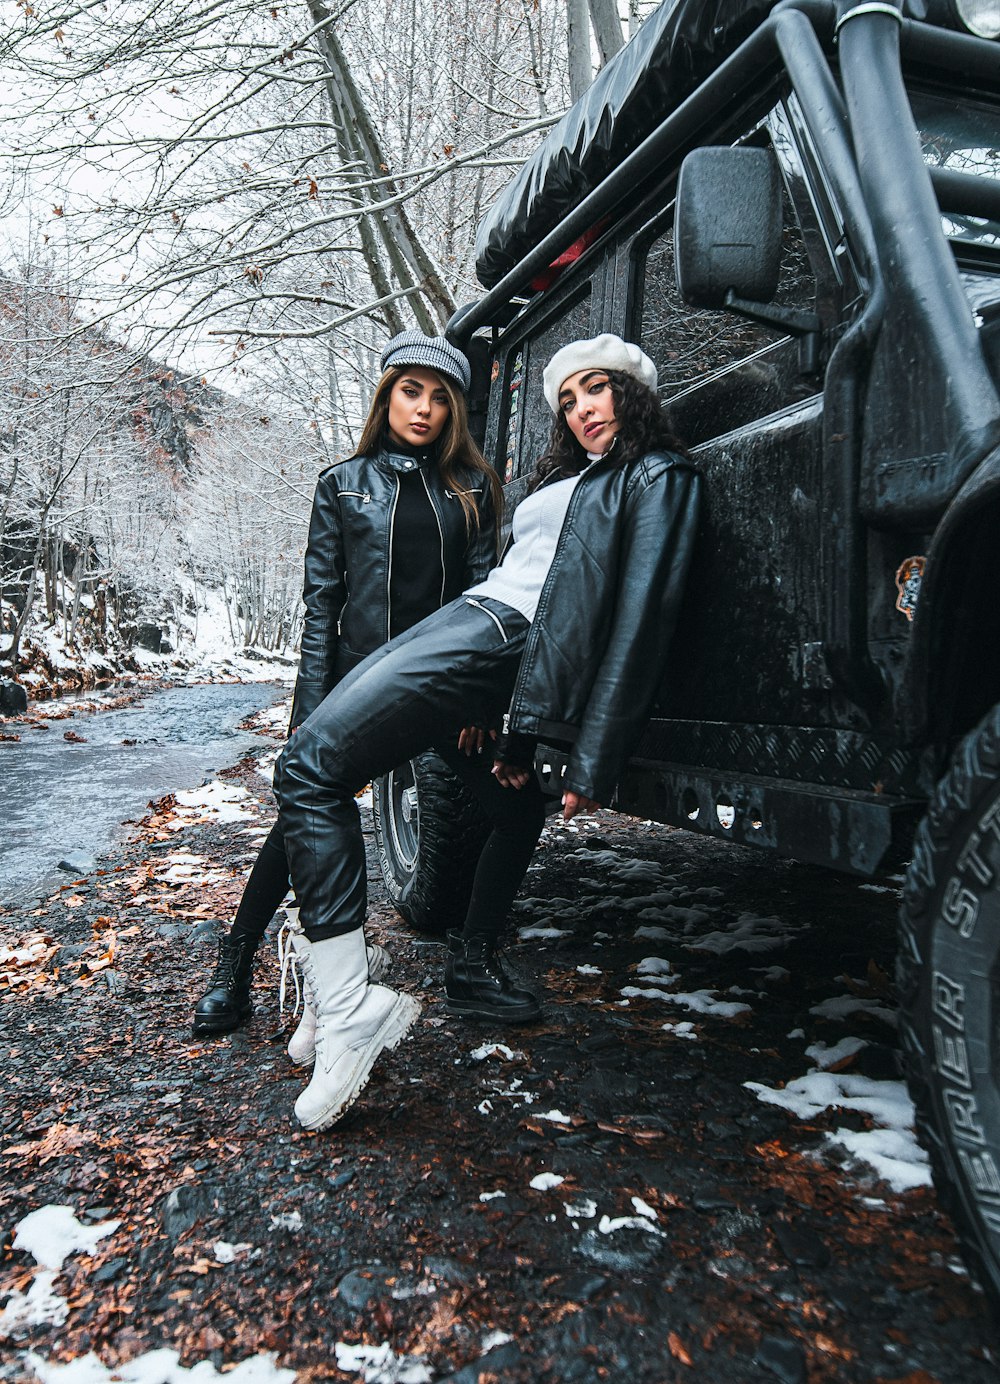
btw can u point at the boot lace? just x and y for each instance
(288, 961)
(227, 963)
(493, 965)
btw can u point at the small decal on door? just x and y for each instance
(908, 578)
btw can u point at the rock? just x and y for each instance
(149, 636)
(449, 1270)
(491, 1365)
(77, 862)
(13, 698)
(578, 1287)
(183, 1206)
(783, 1358)
(801, 1246)
(361, 1286)
(108, 1272)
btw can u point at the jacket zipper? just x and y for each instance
(437, 520)
(574, 504)
(355, 495)
(388, 574)
(493, 617)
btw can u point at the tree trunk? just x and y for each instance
(406, 253)
(607, 28)
(581, 69)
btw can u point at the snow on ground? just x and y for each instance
(890, 1149)
(749, 933)
(50, 1235)
(842, 1006)
(159, 1367)
(379, 1365)
(545, 1182)
(217, 800)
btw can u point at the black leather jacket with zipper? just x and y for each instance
(349, 554)
(597, 649)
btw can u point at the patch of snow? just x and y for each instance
(556, 1116)
(826, 1057)
(705, 1002)
(494, 1339)
(607, 1226)
(749, 933)
(544, 1182)
(380, 1364)
(587, 970)
(771, 974)
(891, 1149)
(643, 1208)
(893, 1154)
(653, 934)
(225, 1253)
(364, 799)
(287, 1220)
(542, 934)
(491, 1196)
(218, 799)
(494, 1050)
(52, 1233)
(40, 1306)
(842, 1006)
(647, 992)
(685, 1029)
(584, 1210)
(654, 966)
(159, 1367)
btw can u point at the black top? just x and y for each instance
(416, 574)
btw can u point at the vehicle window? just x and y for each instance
(719, 371)
(966, 139)
(527, 419)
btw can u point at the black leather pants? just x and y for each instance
(455, 668)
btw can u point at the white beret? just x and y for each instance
(606, 352)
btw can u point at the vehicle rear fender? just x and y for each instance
(953, 666)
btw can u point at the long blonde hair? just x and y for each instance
(455, 447)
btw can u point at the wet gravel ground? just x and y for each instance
(694, 1233)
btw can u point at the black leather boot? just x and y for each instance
(226, 1004)
(478, 987)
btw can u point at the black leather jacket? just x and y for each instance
(346, 589)
(597, 648)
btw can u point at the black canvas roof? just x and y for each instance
(676, 48)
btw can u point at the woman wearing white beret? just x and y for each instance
(565, 641)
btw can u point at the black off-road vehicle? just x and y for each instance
(795, 208)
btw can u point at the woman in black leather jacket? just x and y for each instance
(396, 531)
(566, 638)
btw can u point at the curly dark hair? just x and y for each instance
(645, 427)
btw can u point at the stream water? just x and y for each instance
(60, 799)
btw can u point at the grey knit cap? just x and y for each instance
(432, 352)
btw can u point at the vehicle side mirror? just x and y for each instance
(727, 226)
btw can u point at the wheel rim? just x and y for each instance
(404, 816)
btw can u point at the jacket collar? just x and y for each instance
(396, 457)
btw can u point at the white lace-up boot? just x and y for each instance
(355, 1021)
(292, 943)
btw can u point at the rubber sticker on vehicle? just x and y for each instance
(512, 416)
(908, 579)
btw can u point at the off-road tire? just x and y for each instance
(428, 862)
(948, 971)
